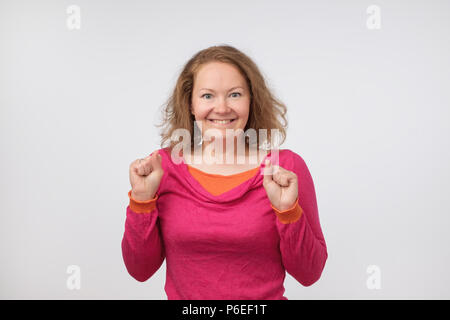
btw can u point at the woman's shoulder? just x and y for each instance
(286, 157)
(169, 166)
(167, 158)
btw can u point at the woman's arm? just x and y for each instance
(142, 247)
(302, 245)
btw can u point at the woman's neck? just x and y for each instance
(207, 155)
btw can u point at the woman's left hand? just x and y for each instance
(281, 186)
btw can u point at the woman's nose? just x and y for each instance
(221, 106)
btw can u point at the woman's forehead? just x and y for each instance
(219, 76)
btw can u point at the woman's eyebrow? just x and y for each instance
(228, 90)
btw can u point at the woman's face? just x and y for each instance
(220, 93)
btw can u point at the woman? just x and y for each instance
(228, 230)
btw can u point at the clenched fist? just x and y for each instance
(281, 186)
(145, 177)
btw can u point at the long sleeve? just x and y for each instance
(302, 245)
(142, 247)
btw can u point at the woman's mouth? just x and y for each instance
(221, 122)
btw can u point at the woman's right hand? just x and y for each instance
(145, 177)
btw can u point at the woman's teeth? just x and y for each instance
(221, 121)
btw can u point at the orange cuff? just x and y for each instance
(142, 206)
(290, 215)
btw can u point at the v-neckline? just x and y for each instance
(228, 196)
(215, 175)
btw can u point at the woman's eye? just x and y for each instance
(234, 95)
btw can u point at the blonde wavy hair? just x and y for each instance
(266, 112)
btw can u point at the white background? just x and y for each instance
(368, 111)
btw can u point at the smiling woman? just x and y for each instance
(227, 231)
(226, 103)
(222, 83)
(223, 108)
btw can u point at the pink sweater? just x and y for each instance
(231, 246)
